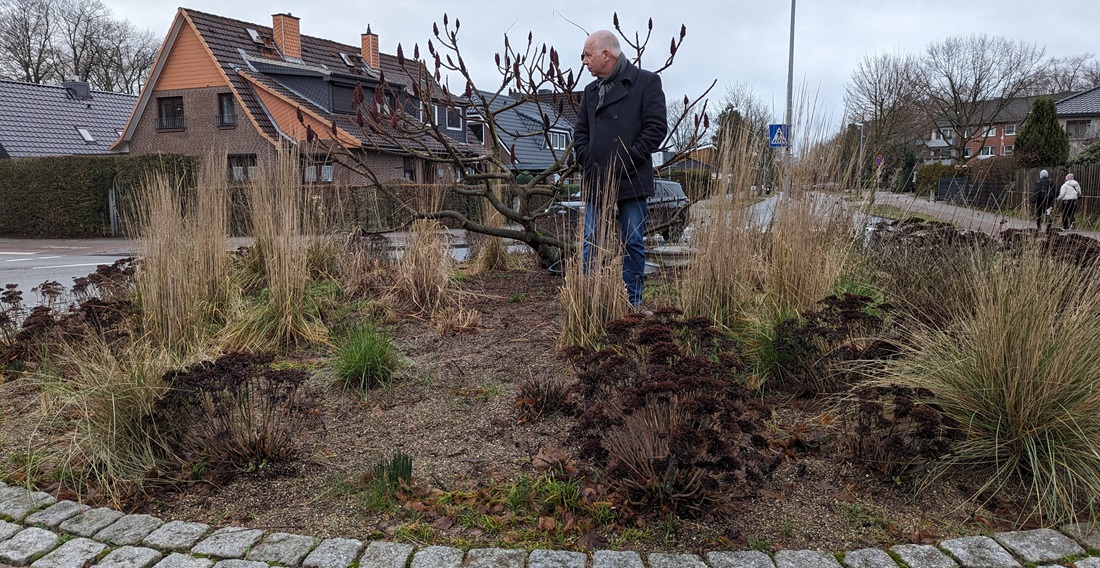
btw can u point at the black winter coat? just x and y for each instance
(1044, 193)
(614, 143)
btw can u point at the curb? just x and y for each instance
(38, 531)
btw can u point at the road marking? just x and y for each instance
(15, 253)
(18, 259)
(65, 266)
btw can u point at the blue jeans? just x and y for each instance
(632, 214)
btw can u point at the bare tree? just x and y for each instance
(685, 135)
(44, 41)
(525, 69)
(880, 97)
(1066, 74)
(964, 82)
(27, 30)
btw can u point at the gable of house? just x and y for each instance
(57, 120)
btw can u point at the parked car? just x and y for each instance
(669, 210)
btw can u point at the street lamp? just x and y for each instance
(859, 189)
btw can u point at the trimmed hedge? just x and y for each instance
(67, 197)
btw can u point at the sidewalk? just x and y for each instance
(970, 219)
(40, 532)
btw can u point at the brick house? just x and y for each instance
(59, 120)
(1080, 116)
(238, 90)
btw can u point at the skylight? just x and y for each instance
(255, 35)
(86, 135)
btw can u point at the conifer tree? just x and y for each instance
(1042, 141)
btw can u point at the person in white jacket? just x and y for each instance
(1070, 192)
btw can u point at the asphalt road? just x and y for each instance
(28, 263)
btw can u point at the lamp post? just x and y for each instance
(859, 188)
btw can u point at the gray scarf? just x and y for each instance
(616, 72)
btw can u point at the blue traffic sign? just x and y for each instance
(779, 135)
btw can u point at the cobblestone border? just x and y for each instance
(38, 531)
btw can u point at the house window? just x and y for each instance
(968, 151)
(170, 113)
(319, 169)
(86, 135)
(227, 111)
(1008, 150)
(988, 151)
(559, 140)
(409, 169)
(454, 119)
(1077, 128)
(242, 167)
(991, 131)
(1010, 130)
(967, 133)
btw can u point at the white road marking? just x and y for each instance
(15, 253)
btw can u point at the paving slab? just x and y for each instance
(131, 557)
(923, 556)
(979, 552)
(617, 559)
(55, 514)
(28, 543)
(129, 530)
(740, 559)
(16, 503)
(1039, 545)
(496, 558)
(89, 522)
(228, 542)
(805, 559)
(176, 536)
(74, 553)
(869, 558)
(282, 549)
(661, 560)
(8, 530)
(556, 559)
(1088, 534)
(177, 560)
(1092, 562)
(334, 553)
(386, 555)
(437, 557)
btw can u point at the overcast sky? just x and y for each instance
(733, 41)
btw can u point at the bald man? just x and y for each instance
(620, 123)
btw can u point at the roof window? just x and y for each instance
(86, 135)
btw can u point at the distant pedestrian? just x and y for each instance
(1042, 199)
(1068, 195)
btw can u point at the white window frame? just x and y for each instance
(1008, 149)
(967, 151)
(447, 118)
(326, 173)
(309, 174)
(558, 140)
(991, 132)
(988, 151)
(1010, 130)
(86, 135)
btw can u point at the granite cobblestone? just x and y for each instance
(143, 541)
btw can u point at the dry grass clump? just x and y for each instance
(183, 278)
(283, 225)
(422, 277)
(1019, 371)
(594, 295)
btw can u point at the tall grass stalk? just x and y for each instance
(594, 297)
(106, 392)
(423, 276)
(183, 281)
(771, 259)
(1021, 372)
(283, 224)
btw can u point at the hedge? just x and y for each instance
(67, 197)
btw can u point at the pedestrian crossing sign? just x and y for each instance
(778, 135)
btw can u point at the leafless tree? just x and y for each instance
(683, 134)
(27, 30)
(43, 41)
(1066, 74)
(966, 81)
(880, 96)
(525, 69)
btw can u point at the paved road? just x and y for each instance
(30, 262)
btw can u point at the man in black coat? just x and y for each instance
(1042, 198)
(620, 123)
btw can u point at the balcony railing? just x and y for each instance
(226, 120)
(171, 123)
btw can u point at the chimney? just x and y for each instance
(288, 38)
(370, 49)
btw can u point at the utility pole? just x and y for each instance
(790, 97)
